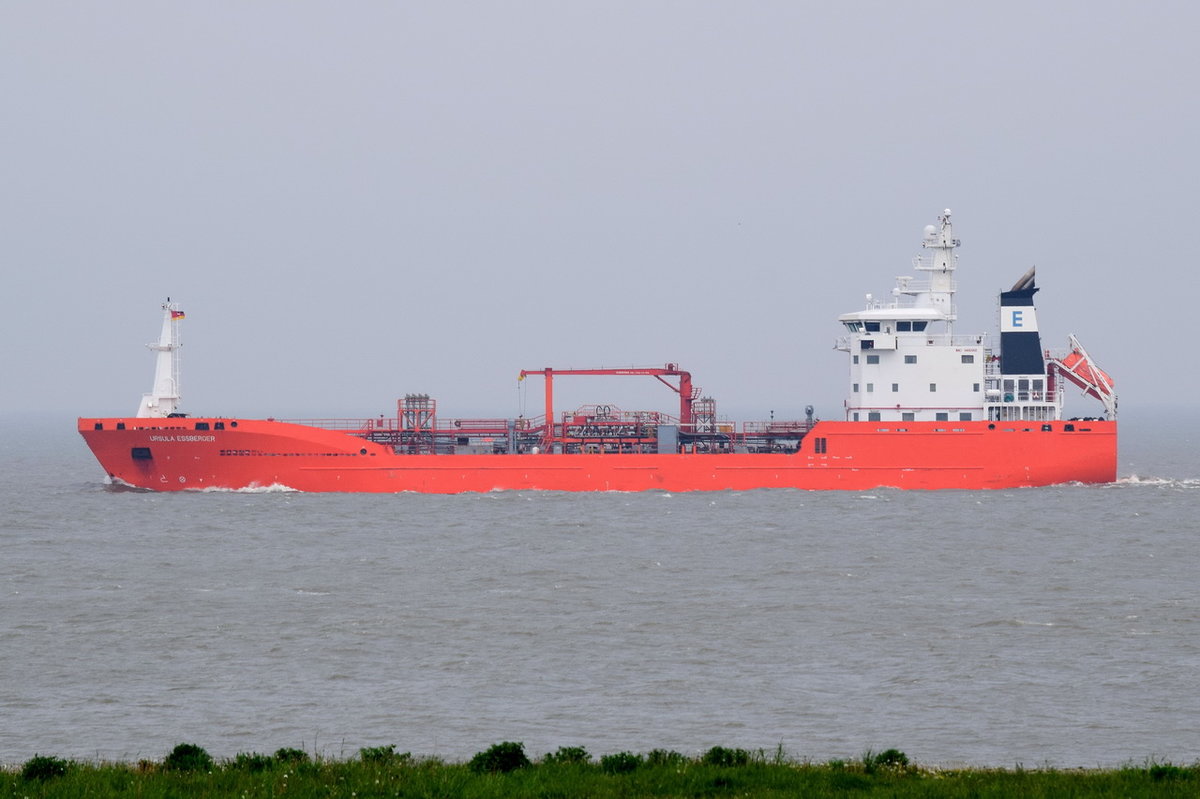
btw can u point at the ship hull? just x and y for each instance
(236, 454)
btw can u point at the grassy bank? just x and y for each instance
(505, 770)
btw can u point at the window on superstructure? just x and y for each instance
(873, 416)
(908, 417)
(872, 327)
(856, 416)
(854, 359)
(942, 417)
(895, 387)
(910, 359)
(854, 388)
(919, 327)
(903, 327)
(872, 359)
(975, 387)
(870, 387)
(968, 359)
(932, 387)
(964, 417)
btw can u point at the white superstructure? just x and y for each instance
(906, 364)
(163, 399)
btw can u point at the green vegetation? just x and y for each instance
(188, 757)
(504, 770)
(500, 759)
(43, 768)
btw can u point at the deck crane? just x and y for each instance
(687, 394)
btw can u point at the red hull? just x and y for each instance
(171, 454)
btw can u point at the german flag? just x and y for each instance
(175, 315)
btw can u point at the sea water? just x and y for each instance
(1054, 626)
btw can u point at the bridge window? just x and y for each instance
(903, 327)
(872, 327)
(919, 327)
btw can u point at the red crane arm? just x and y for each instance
(684, 389)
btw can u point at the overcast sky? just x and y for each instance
(354, 201)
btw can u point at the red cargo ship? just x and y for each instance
(926, 409)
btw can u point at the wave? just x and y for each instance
(1158, 482)
(118, 486)
(274, 488)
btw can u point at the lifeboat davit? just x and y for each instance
(1077, 367)
(1094, 381)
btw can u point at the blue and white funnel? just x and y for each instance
(1020, 342)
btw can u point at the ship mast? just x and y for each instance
(940, 292)
(163, 399)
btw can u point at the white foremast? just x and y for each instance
(163, 399)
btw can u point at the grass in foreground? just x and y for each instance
(504, 770)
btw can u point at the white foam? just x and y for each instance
(274, 488)
(1169, 482)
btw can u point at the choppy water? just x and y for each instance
(1054, 626)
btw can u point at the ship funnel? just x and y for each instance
(1020, 342)
(163, 399)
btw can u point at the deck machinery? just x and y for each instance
(416, 428)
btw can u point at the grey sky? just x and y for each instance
(353, 201)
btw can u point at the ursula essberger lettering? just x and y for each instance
(183, 438)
